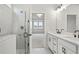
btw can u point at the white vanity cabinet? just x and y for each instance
(60, 45)
(65, 47)
(52, 43)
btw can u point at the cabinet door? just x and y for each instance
(64, 47)
(65, 50)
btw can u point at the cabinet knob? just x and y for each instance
(64, 50)
(27, 34)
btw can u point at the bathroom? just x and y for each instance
(39, 28)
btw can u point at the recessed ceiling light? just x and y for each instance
(39, 15)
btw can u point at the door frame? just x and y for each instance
(67, 21)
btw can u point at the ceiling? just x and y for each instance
(24, 6)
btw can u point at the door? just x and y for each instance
(71, 23)
(23, 39)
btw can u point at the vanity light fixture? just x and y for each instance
(9, 5)
(62, 7)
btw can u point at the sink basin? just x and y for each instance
(68, 36)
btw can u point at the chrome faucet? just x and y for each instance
(62, 30)
(59, 31)
(76, 31)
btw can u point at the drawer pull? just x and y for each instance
(63, 50)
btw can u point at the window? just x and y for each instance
(37, 23)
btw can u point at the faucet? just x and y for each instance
(59, 31)
(62, 30)
(76, 31)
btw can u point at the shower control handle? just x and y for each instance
(26, 34)
(29, 34)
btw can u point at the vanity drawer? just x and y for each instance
(68, 51)
(69, 45)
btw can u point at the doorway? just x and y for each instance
(71, 23)
(38, 30)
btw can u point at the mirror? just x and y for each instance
(68, 19)
(37, 23)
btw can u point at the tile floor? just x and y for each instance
(35, 51)
(40, 51)
(20, 51)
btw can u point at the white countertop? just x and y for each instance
(67, 37)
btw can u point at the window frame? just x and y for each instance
(42, 31)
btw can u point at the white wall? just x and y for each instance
(5, 20)
(51, 20)
(15, 22)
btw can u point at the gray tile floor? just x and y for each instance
(35, 51)
(20, 51)
(40, 51)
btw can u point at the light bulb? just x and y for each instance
(39, 15)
